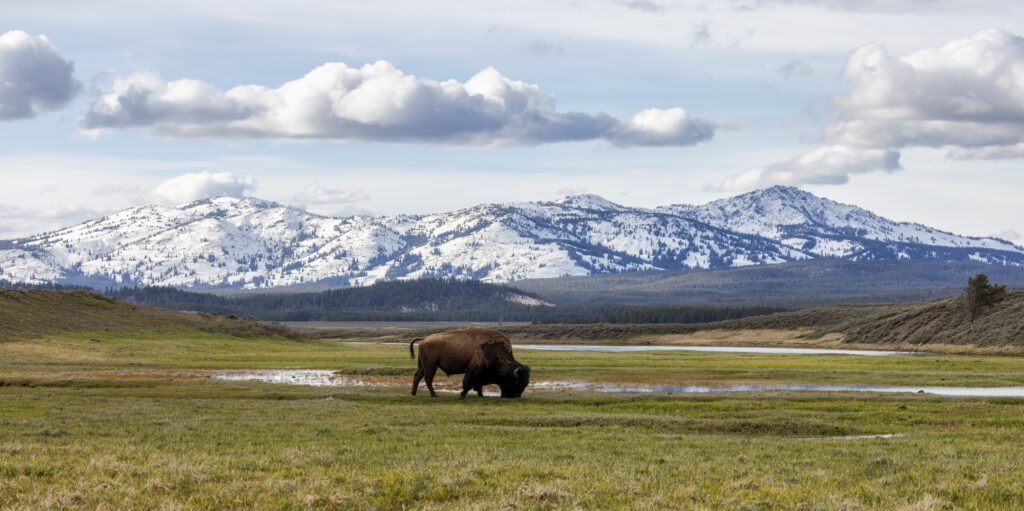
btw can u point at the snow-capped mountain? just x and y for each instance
(251, 243)
(821, 227)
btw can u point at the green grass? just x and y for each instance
(106, 420)
(186, 445)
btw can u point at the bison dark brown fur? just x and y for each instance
(483, 355)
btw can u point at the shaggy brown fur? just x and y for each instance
(483, 355)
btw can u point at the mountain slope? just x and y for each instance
(250, 243)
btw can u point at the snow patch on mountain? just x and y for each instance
(528, 300)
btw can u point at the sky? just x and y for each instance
(913, 109)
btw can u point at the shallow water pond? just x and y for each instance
(607, 348)
(327, 378)
(768, 387)
(310, 377)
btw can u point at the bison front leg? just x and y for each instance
(469, 383)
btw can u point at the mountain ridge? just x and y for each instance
(246, 242)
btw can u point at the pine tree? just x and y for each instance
(980, 294)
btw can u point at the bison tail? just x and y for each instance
(412, 353)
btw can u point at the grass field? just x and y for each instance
(123, 421)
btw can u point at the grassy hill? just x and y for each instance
(943, 321)
(31, 314)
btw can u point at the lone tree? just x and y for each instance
(980, 294)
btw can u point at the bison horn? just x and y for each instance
(516, 372)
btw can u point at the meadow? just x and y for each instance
(119, 420)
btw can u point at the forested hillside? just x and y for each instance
(790, 285)
(427, 300)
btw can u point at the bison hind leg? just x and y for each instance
(428, 376)
(416, 379)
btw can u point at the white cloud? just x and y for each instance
(315, 194)
(1011, 236)
(987, 153)
(17, 221)
(966, 96)
(34, 78)
(895, 6)
(200, 185)
(657, 127)
(824, 165)
(967, 93)
(712, 35)
(376, 102)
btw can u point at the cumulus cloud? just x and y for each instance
(824, 165)
(966, 96)
(34, 78)
(656, 127)
(376, 102)
(200, 185)
(968, 93)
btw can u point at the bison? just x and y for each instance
(483, 355)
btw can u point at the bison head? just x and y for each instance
(515, 380)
